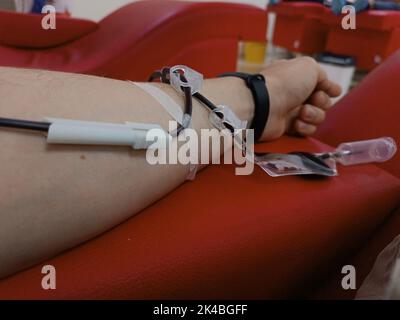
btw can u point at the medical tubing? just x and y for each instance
(24, 124)
(163, 77)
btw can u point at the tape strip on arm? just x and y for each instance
(169, 104)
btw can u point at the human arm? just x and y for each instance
(53, 197)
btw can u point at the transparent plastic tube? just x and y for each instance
(375, 150)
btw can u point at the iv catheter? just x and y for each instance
(183, 79)
(189, 83)
(64, 131)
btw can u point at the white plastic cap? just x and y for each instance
(63, 131)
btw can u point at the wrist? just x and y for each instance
(231, 92)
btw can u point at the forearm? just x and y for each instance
(53, 197)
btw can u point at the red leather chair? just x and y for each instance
(299, 26)
(134, 40)
(256, 236)
(376, 37)
(363, 261)
(312, 28)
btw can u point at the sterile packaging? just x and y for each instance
(324, 164)
(278, 165)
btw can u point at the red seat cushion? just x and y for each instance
(225, 236)
(144, 36)
(298, 8)
(363, 261)
(25, 30)
(376, 37)
(371, 110)
(299, 26)
(371, 19)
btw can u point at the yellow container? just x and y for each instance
(254, 52)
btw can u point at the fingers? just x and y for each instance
(323, 83)
(321, 100)
(331, 88)
(304, 128)
(312, 115)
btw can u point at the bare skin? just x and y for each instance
(55, 197)
(300, 97)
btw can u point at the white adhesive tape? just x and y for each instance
(169, 104)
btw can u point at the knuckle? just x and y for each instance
(322, 116)
(309, 60)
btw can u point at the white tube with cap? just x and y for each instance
(64, 131)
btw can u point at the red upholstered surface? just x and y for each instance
(312, 28)
(204, 35)
(25, 30)
(363, 261)
(297, 8)
(371, 19)
(376, 37)
(250, 237)
(370, 111)
(299, 27)
(373, 110)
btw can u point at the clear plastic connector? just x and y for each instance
(194, 78)
(186, 120)
(222, 117)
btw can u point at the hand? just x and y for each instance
(300, 95)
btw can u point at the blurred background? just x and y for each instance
(95, 9)
(295, 28)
